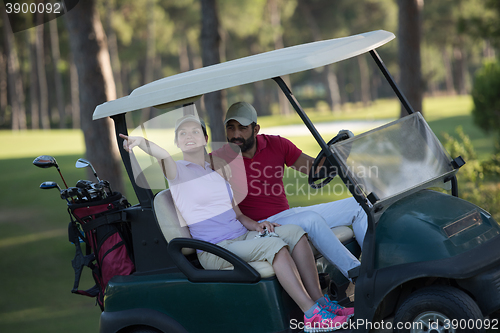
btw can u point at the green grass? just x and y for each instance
(35, 254)
(36, 273)
(36, 257)
(435, 107)
(39, 142)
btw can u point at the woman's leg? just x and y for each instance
(289, 278)
(320, 235)
(276, 252)
(304, 259)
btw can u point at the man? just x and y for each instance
(265, 157)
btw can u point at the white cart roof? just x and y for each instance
(189, 86)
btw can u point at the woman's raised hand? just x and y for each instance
(130, 142)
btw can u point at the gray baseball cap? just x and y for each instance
(242, 112)
(187, 118)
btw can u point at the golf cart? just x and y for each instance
(429, 259)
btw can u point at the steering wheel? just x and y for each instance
(327, 172)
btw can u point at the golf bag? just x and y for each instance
(103, 226)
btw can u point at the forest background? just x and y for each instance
(44, 98)
(150, 39)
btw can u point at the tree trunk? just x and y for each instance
(210, 42)
(75, 93)
(34, 99)
(183, 56)
(328, 74)
(150, 56)
(332, 88)
(116, 64)
(195, 58)
(3, 86)
(376, 82)
(192, 56)
(15, 84)
(488, 50)
(222, 45)
(279, 44)
(95, 80)
(461, 66)
(409, 52)
(56, 57)
(42, 76)
(303, 6)
(259, 92)
(450, 89)
(364, 75)
(113, 50)
(125, 73)
(344, 98)
(262, 97)
(195, 61)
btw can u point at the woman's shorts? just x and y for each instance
(250, 248)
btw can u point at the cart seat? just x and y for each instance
(171, 227)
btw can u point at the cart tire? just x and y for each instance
(439, 309)
(143, 329)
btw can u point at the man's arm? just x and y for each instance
(305, 162)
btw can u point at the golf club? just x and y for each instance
(85, 194)
(98, 190)
(83, 163)
(46, 161)
(64, 194)
(95, 190)
(105, 184)
(72, 191)
(82, 183)
(49, 185)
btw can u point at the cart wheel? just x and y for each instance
(142, 329)
(438, 309)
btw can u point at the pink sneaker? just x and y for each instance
(323, 321)
(334, 307)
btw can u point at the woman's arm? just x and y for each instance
(166, 161)
(253, 225)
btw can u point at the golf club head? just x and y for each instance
(73, 191)
(84, 183)
(64, 194)
(105, 184)
(83, 163)
(83, 194)
(45, 161)
(48, 185)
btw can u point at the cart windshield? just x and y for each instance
(395, 158)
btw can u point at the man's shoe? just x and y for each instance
(334, 307)
(323, 321)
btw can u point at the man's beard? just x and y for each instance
(246, 144)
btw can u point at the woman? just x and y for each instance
(205, 201)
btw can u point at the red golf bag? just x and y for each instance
(104, 228)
